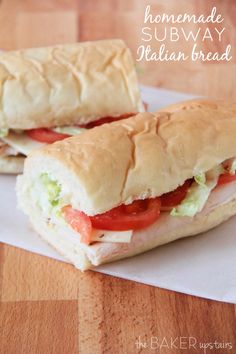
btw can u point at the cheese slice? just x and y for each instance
(112, 236)
(71, 130)
(97, 235)
(21, 142)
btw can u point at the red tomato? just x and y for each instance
(139, 214)
(226, 178)
(135, 207)
(105, 120)
(79, 221)
(171, 199)
(49, 136)
(135, 216)
(45, 135)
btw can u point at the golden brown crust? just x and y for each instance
(67, 84)
(199, 103)
(140, 157)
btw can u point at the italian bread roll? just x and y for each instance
(61, 86)
(114, 191)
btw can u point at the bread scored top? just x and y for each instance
(67, 84)
(136, 158)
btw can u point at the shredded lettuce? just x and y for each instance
(231, 165)
(49, 197)
(200, 179)
(4, 132)
(71, 130)
(198, 193)
(233, 168)
(194, 201)
(53, 189)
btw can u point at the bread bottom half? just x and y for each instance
(83, 259)
(12, 164)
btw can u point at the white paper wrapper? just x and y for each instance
(204, 265)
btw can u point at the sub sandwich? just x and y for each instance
(48, 94)
(124, 188)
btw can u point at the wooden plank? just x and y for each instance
(28, 276)
(110, 314)
(39, 327)
(35, 29)
(121, 312)
(36, 6)
(7, 30)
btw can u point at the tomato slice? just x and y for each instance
(45, 135)
(135, 207)
(104, 120)
(226, 178)
(171, 199)
(135, 216)
(79, 221)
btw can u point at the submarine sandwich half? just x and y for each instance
(49, 94)
(126, 187)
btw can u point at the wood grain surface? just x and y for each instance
(48, 306)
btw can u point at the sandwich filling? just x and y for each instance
(22, 142)
(119, 223)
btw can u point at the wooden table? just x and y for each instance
(48, 306)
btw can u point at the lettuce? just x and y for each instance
(194, 201)
(53, 189)
(233, 168)
(200, 179)
(71, 130)
(198, 193)
(4, 132)
(231, 165)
